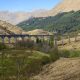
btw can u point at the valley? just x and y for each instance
(42, 44)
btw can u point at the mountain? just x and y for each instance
(17, 17)
(66, 6)
(62, 22)
(7, 28)
(65, 17)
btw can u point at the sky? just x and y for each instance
(27, 5)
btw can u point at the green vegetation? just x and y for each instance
(38, 45)
(2, 46)
(28, 44)
(27, 58)
(21, 64)
(62, 22)
(16, 64)
(69, 54)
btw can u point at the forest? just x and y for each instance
(63, 22)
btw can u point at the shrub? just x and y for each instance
(2, 46)
(45, 60)
(51, 42)
(54, 54)
(69, 54)
(35, 62)
(75, 54)
(25, 44)
(33, 66)
(64, 53)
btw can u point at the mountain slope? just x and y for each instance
(66, 6)
(7, 28)
(63, 69)
(62, 22)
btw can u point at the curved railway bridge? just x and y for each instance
(22, 36)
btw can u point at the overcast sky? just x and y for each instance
(27, 5)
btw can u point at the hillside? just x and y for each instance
(63, 22)
(7, 28)
(63, 69)
(66, 6)
(38, 32)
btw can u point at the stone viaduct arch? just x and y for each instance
(22, 36)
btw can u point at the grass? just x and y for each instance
(69, 53)
(21, 64)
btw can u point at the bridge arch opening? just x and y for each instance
(13, 40)
(6, 40)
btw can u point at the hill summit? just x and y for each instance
(66, 6)
(38, 32)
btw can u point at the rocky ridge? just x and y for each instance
(7, 28)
